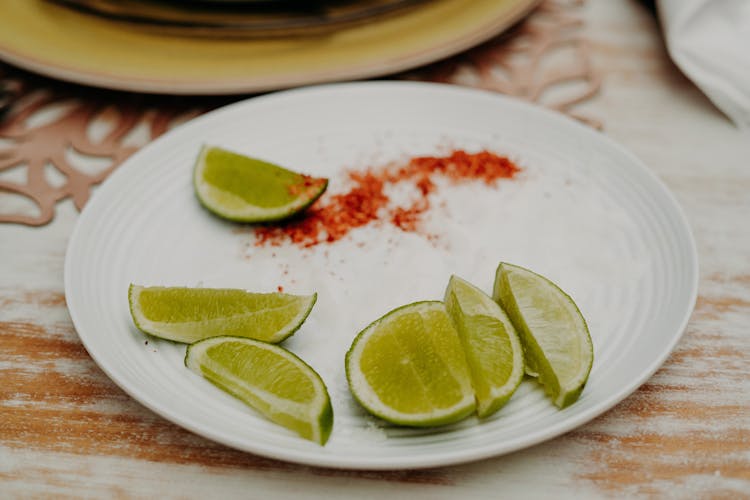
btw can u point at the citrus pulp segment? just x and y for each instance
(555, 337)
(490, 342)
(408, 367)
(191, 314)
(269, 379)
(245, 189)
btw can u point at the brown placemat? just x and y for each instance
(52, 148)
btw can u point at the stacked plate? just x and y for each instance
(215, 47)
(243, 18)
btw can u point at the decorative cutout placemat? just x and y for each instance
(57, 144)
(546, 60)
(58, 141)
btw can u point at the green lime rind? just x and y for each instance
(413, 357)
(544, 315)
(268, 378)
(490, 342)
(244, 189)
(188, 315)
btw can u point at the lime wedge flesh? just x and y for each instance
(269, 379)
(245, 189)
(555, 337)
(192, 314)
(490, 342)
(408, 368)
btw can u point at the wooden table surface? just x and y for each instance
(67, 430)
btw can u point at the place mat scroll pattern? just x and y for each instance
(545, 60)
(58, 141)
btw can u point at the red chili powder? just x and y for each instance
(333, 217)
(307, 183)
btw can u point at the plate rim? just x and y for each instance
(388, 463)
(389, 66)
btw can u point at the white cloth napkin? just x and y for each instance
(710, 42)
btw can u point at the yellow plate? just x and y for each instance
(56, 41)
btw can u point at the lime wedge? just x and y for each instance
(408, 368)
(246, 189)
(192, 314)
(269, 379)
(490, 343)
(554, 335)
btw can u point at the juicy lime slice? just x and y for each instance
(408, 368)
(269, 379)
(246, 189)
(490, 343)
(555, 338)
(192, 314)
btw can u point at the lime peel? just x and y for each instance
(182, 314)
(555, 337)
(269, 379)
(245, 189)
(490, 342)
(408, 368)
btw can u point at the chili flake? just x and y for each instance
(333, 217)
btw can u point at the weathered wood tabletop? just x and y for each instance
(67, 430)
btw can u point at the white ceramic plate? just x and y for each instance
(584, 212)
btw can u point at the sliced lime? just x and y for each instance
(490, 343)
(192, 314)
(245, 189)
(556, 341)
(408, 368)
(269, 379)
